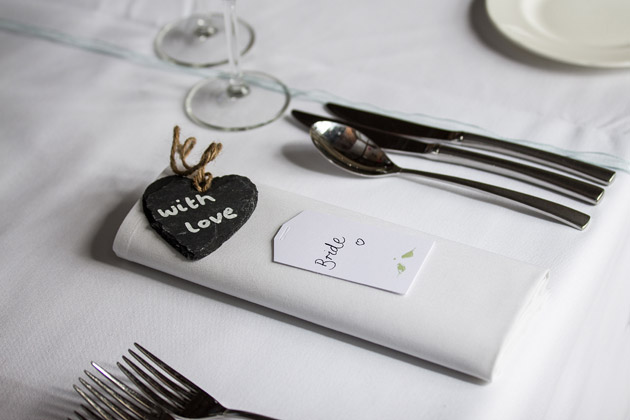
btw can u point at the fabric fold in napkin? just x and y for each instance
(460, 311)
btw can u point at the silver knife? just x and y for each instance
(598, 174)
(575, 188)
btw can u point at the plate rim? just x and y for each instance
(575, 54)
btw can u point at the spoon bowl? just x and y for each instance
(353, 151)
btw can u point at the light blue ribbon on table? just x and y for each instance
(319, 96)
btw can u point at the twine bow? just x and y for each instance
(201, 179)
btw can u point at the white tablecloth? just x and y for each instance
(87, 114)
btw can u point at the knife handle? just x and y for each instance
(573, 187)
(556, 211)
(598, 174)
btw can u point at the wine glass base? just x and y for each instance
(213, 104)
(199, 40)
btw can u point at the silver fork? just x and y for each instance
(167, 390)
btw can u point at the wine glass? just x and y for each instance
(240, 100)
(199, 39)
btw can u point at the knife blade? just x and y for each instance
(572, 187)
(585, 170)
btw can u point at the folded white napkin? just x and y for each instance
(460, 311)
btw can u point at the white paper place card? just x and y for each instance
(348, 250)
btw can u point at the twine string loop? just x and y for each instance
(201, 179)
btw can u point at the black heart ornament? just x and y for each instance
(195, 223)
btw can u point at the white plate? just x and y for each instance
(592, 33)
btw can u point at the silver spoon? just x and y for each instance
(353, 151)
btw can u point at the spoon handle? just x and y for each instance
(602, 176)
(566, 185)
(556, 211)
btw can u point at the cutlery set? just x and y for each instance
(358, 134)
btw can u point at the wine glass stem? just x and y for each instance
(237, 87)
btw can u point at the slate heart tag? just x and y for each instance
(195, 223)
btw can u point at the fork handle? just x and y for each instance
(238, 414)
(557, 211)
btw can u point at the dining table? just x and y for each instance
(87, 116)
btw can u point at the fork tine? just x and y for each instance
(102, 414)
(118, 397)
(135, 395)
(103, 399)
(181, 378)
(91, 413)
(161, 377)
(81, 416)
(172, 405)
